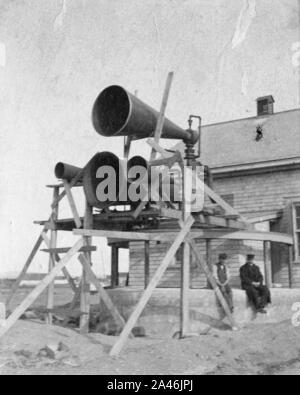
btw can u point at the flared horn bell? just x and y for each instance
(106, 169)
(117, 112)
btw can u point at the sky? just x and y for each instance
(57, 56)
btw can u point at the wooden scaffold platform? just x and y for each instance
(165, 223)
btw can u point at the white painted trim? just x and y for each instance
(258, 166)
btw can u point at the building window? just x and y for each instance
(297, 229)
(263, 107)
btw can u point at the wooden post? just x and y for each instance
(186, 258)
(147, 263)
(85, 284)
(291, 269)
(185, 290)
(53, 244)
(209, 257)
(268, 264)
(151, 287)
(114, 266)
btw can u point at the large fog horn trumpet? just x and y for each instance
(104, 174)
(117, 112)
(144, 173)
(64, 171)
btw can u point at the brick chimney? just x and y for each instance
(265, 105)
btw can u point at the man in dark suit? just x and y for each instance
(252, 282)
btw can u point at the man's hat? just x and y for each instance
(250, 257)
(223, 257)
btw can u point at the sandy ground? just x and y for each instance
(255, 350)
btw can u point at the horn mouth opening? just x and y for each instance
(92, 178)
(111, 111)
(59, 170)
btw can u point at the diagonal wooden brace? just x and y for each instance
(31, 298)
(151, 287)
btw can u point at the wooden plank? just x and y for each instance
(53, 243)
(72, 204)
(209, 257)
(31, 298)
(158, 132)
(291, 267)
(268, 264)
(220, 222)
(102, 293)
(185, 288)
(195, 234)
(85, 283)
(132, 236)
(185, 270)
(22, 275)
(213, 283)
(64, 250)
(243, 235)
(114, 266)
(152, 285)
(147, 264)
(161, 117)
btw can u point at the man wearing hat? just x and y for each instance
(252, 282)
(222, 276)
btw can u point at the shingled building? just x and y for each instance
(256, 167)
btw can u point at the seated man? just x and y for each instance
(222, 277)
(252, 282)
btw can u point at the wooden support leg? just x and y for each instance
(291, 269)
(185, 289)
(114, 266)
(268, 264)
(151, 287)
(31, 298)
(147, 263)
(209, 257)
(53, 244)
(85, 284)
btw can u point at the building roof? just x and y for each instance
(269, 98)
(234, 143)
